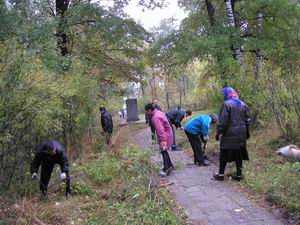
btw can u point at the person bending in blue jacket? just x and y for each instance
(50, 153)
(197, 131)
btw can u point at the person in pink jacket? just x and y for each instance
(164, 135)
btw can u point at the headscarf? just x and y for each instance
(230, 94)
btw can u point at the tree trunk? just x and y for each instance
(259, 58)
(211, 12)
(180, 93)
(167, 94)
(61, 8)
(237, 53)
(152, 87)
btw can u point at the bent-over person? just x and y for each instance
(197, 131)
(175, 117)
(164, 136)
(50, 153)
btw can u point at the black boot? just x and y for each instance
(219, 177)
(237, 178)
(239, 166)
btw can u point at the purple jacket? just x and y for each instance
(162, 128)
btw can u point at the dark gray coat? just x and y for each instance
(41, 157)
(234, 120)
(106, 122)
(176, 116)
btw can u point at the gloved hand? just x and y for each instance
(63, 176)
(34, 176)
(206, 137)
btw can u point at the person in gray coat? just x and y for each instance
(233, 132)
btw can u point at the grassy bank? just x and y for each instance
(275, 178)
(115, 185)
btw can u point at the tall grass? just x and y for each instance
(114, 185)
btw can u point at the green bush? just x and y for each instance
(103, 170)
(81, 188)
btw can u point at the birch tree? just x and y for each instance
(231, 24)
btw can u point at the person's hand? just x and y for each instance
(217, 137)
(206, 137)
(34, 176)
(164, 148)
(63, 176)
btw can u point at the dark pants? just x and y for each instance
(174, 134)
(233, 155)
(107, 136)
(196, 144)
(152, 132)
(46, 171)
(238, 163)
(167, 161)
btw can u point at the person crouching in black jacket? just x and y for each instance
(107, 124)
(175, 117)
(50, 153)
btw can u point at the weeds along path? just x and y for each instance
(207, 201)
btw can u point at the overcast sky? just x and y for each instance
(151, 18)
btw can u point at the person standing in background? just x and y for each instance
(107, 124)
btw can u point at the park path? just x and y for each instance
(208, 202)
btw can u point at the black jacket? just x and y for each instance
(43, 158)
(234, 121)
(106, 122)
(176, 116)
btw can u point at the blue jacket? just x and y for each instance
(199, 125)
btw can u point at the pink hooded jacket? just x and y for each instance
(163, 129)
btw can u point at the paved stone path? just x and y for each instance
(208, 202)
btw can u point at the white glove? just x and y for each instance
(206, 137)
(34, 176)
(63, 176)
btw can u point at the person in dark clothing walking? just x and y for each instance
(50, 153)
(107, 124)
(197, 131)
(175, 117)
(233, 132)
(155, 104)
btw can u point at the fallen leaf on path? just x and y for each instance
(239, 210)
